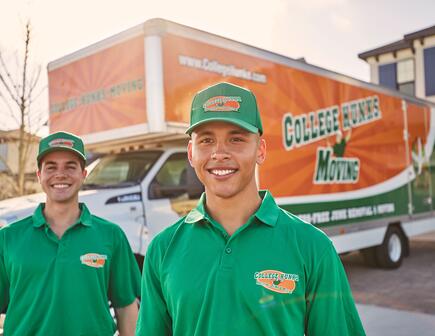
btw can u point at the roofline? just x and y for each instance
(406, 42)
(391, 47)
(421, 33)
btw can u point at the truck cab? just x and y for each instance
(143, 191)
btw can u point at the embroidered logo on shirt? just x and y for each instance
(277, 281)
(93, 260)
(222, 104)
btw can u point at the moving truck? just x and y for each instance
(352, 158)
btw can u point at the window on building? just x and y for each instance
(398, 76)
(406, 76)
(387, 75)
(429, 71)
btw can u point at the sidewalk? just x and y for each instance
(380, 321)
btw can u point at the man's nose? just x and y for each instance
(61, 173)
(220, 152)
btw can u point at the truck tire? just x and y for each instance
(392, 250)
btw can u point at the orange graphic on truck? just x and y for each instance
(99, 92)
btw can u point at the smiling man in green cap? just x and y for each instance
(60, 267)
(238, 264)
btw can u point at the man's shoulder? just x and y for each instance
(105, 225)
(163, 239)
(18, 226)
(304, 231)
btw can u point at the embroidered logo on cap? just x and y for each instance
(222, 104)
(277, 281)
(93, 260)
(61, 143)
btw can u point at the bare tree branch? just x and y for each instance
(35, 79)
(17, 91)
(12, 113)
(8, 89)
(8, 81)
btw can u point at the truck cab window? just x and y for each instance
(120, 170)
(171, 180)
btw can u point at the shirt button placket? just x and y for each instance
(227, 257)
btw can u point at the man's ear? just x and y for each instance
(261, 151)
(189, 152)
(38, 175)
(85, 173)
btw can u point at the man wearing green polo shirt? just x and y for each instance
(61, 266)
(238, 264)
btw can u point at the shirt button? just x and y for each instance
(228, 250)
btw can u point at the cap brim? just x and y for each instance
(250, 128)
(57, 149)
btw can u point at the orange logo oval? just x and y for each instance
(61, 143)
(277, 281)
(93, 260)
(222, 104)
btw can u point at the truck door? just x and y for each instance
(417, 127)
(172, 192)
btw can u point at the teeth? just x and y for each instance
(222, 172)
(60, 186)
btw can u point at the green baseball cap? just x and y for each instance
(61, 141)
(226, 102)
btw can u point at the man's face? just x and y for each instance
(224, 157)
(61, 176)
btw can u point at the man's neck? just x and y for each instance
(60, 216)
(234, 212)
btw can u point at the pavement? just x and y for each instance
(416, 313)
(380, 321)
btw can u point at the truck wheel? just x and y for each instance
(390, 254)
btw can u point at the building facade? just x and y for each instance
(407, 65)
(9, 152)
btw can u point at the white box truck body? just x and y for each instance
(353, 158)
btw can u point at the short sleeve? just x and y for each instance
(4, 279)
(154, 319)
(330, 307)
(124, 283)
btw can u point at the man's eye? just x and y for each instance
(237, 139)
(206, 140)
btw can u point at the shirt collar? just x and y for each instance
(267, 213)
(39, 218)
(197, 214)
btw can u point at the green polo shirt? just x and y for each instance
(276, 275)
(62, 286)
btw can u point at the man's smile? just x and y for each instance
(221, 171)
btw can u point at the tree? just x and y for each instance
(18, 95)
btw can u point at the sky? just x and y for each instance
(327, 33)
